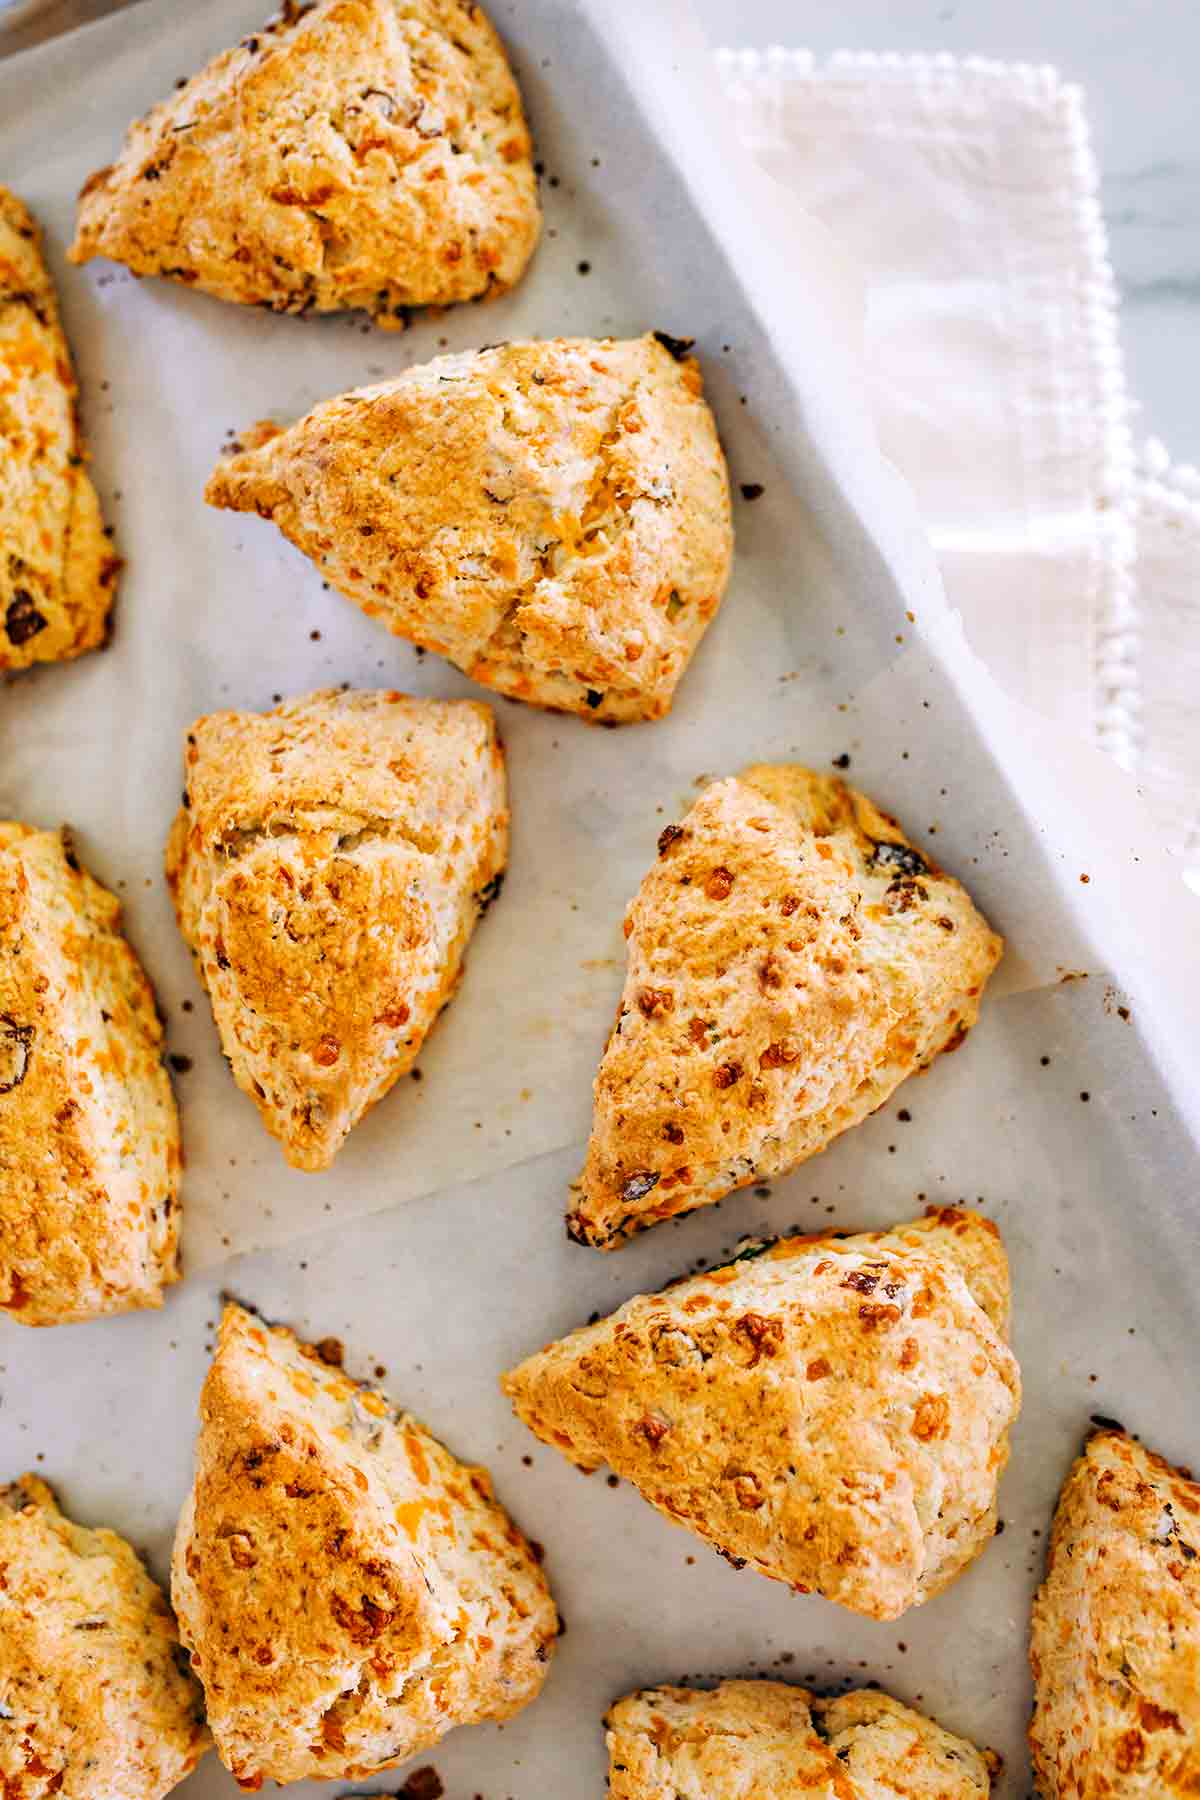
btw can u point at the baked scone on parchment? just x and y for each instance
(96, 1701)
(553, 517)
(58, 572)
(1115, 1644)
(348, 1590)
(832, 1411)
(357, 154)
(765, 1740)
(791, 958)
(328, 867)
(89, 1134)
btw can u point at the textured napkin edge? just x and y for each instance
(754, 79)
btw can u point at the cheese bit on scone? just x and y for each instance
(764, 1740)
(832, 1411)
(348, 1590)
(791, 959)
(553, 517)
(96, 1702)
(328, 866)
(58, 572)
(361, 154)
(89, 1134)
(1115, 1644)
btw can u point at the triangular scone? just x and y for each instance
(366, 154)
(791, 958)
(833, 1411)
(328, 867)
(1115, 1645)
(765, 1740)
(57, 568)
(89, 1134)
(348, 1590)
(553, 517)
(96, 1702)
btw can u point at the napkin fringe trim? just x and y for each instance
(1116, 683)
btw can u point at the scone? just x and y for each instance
(764, 1740)
(89, 1134)
(96, 1702)
(348, 1590)
(1116, 1631)
(791, 959)
(57, 568)
(553, 517)
(832, 1411)
(353, 154)
(328, 866)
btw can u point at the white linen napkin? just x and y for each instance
(967, 193)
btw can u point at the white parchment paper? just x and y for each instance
(834, 640)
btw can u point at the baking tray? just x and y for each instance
(835, 640)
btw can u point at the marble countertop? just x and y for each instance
(1135, 60)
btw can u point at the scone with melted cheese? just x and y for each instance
(57, 568)
(357, 154)
(553, 517)
(328, 867)
(1116, 1631)
(348, 1590)
(764, 1740)
(791, 959)
(89, 1134)
(832, 1411)
(95, 1699)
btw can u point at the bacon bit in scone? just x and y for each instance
(679, 348)
(777, 1056)
(727, 1074)
(880, 1318)
(719, 884)
(654, 1428)
(653, 1002)
(747, 1492)
(862, 1281)
(639, 1184)
(670, 834)
(766, 1335)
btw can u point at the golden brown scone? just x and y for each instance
(348, 1590)
(89, 1134)
(359, 154)
(328, 868)
(553, 517)
(96, 1702)
(791, 959)
(57, 568)
(832, 1411)
(1116, 1631)
(764, 1740)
